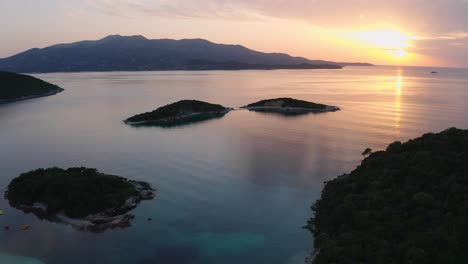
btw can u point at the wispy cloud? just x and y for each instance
(449, 36)
(433, 16)
(176, 9)
(439, 26)
(450, 47)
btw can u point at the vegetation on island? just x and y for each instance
(287, 102)
(77, 192)
(289, 107)
(14, 86)
(407, 204)
(181, 112)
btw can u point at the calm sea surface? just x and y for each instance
(231, 190)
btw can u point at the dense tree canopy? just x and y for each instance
(177, 110)
(287, 102)
(408, 204)
(77, 191)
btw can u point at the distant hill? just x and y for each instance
(16, 87)
(355, 64)
(137, 53)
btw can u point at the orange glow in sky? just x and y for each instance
(384, 38)
(380, 32)
(391, 45)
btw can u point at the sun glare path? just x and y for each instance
(398, 90)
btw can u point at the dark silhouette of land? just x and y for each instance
(81, 197)
(17, 87)
(406, 204)
(179, 113)
(137, 53)
(360, 64)
(289, 107)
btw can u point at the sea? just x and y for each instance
(236, 189)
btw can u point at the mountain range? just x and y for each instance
(137, 53)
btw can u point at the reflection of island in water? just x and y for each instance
(179, 113)
(80, 197)
(282, 158)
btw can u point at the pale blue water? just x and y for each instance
(231, 190)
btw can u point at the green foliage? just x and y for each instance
(407, 204)
(289, 102)
(14, 86)
(77, 191)
(175, 110)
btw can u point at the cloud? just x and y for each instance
(450, 36)
(175, 9)
(433, 16)
(451, 48)
(439, 27)
(439, 42)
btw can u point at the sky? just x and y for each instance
(386, 32)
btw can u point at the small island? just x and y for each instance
(179, 113)
(17, 87)
(81, 197)
(407, 204)
(289, 106)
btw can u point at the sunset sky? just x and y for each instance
(397, 32)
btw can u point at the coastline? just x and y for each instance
(291, 109)
(177, 119)
(53, 92)
(253, 67)
(99, 222)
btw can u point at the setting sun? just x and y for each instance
(384, 39)
(394, 43)
(399, 53)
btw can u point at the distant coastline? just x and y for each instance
(137, 53)
(356, 64)
(56, 91)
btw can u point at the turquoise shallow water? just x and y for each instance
(230, 190)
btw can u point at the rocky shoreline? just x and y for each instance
(116, 217)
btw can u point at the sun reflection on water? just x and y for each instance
(398, 90)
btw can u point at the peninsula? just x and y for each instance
(179, 113)
(406, 204)
(82, 197)
(17, 87)
(289, 106)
